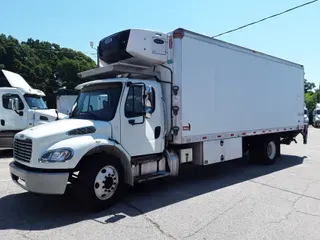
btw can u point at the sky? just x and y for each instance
(294, 36)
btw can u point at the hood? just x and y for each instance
(47, 115)
(57, 130)
(17, 81)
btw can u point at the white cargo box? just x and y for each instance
(227, 91)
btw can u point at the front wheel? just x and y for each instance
(101, 182)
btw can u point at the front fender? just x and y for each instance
(80, 146)
(87, 145)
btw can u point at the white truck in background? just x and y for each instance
(65, 100)
(21, 107)
(316, 116)
(306, 115)
(170, 102)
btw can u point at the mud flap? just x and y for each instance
(305, 134)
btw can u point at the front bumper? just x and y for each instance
(39, 182)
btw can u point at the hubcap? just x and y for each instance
(106, 182)
(271, 150)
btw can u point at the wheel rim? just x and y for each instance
(106, 182)
(271, 150)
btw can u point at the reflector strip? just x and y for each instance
(226, 135)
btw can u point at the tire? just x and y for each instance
(265, 151)
(271, 151)
(100, 183)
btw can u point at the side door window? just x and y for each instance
(7, 100)
(135, 102)
(15, 119)
(150, 101)
(134, 105)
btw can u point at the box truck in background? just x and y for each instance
(306, 115)
(316, 116)
(173, 98)
(65, 100)
(21, 107)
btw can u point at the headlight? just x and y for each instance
(57, 155)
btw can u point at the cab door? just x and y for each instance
(11, 120)
(142, 134)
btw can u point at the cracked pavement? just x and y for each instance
(233, 200)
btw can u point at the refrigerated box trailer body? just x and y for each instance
(229, 91)
(168, 99)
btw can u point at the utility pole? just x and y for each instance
(92, 46)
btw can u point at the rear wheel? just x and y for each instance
(101, 182)
(266, 150)
(270, 152)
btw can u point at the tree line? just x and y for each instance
(311, 95)
(44, 65)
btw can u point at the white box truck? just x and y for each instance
(21, 107)
(316, 116)
(65, 99)
(174, 98)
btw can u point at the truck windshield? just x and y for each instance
(35, 102)
(98, 102)
(318, 111)
(305, 111)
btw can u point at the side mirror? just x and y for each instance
(14, 104)
(148, 101)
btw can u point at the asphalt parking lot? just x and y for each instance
(234, 200)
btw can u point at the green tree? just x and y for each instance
(311, 96)
(308, 86)
(44, 65)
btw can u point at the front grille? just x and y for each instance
(22, 150)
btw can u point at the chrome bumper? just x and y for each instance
(39, 182)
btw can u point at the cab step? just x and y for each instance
(146, 159)
(151, 176)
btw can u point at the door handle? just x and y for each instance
(157, 132)
(3, 122)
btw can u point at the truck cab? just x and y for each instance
(21, 107)
(316, 116)
(119, 119)
(130, 109)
